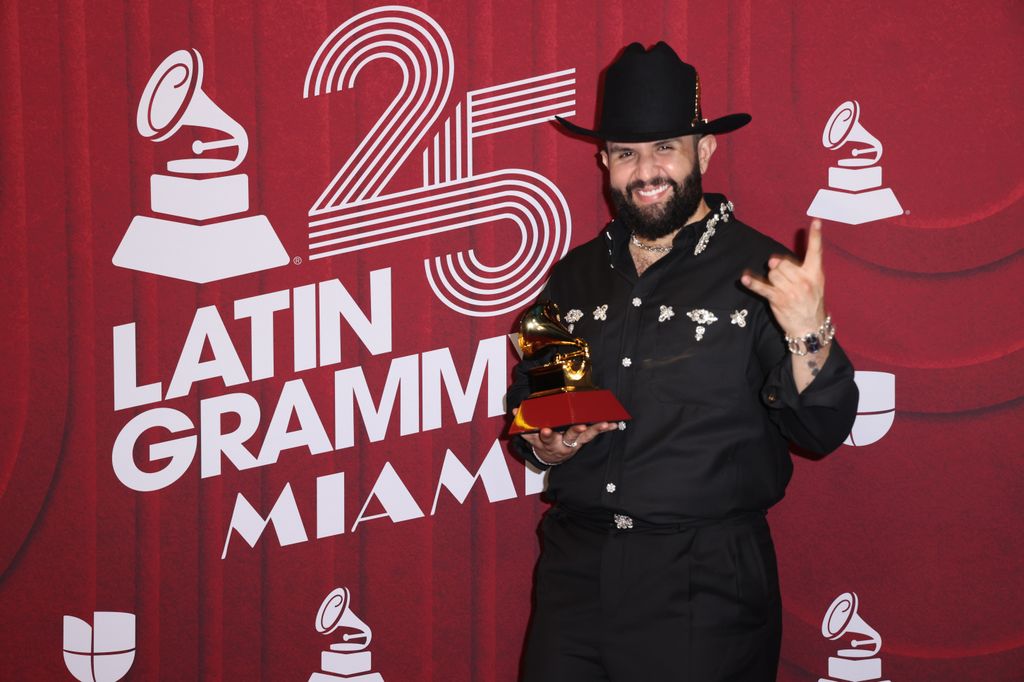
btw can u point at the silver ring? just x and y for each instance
(570, 445)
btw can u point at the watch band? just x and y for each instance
(813, 341)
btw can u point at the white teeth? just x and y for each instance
(652, 192)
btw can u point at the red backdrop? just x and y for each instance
(924, 524)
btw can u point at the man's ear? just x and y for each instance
(604, 157)
(706, 147)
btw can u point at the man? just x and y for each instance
(657, 562)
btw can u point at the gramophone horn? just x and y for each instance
(541, 328)
(844, 126)
(336, 612)
(174, 97)
(841, 619)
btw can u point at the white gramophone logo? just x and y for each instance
(876, 408)
(349, 659)
(103, 651)
(859, 663)
(209, 247)
(855, 193)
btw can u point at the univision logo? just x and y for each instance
(102, 652)
(876, 408)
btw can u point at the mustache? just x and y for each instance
(656, 182)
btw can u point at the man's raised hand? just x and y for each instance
(795, 291)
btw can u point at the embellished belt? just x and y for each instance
(600, 520)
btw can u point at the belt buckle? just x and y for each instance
(623, 522)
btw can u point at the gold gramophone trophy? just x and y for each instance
(562, 393)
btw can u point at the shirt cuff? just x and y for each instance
(826, 390)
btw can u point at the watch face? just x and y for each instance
(813, 343)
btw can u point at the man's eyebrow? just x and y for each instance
(618, 146)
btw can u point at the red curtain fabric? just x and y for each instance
(923, 522)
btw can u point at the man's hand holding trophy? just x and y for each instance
(564, 410)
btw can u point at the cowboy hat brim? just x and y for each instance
(724, 124)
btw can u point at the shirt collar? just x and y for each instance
(617, 235)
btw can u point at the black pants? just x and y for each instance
(681, 604)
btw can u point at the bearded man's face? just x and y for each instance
(655, 186)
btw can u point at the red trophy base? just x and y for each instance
(566, 408)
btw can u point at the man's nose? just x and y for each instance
(646, 167)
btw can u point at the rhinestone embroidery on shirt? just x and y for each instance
(636, 302)
(574, 315)
(724, 211)
(601, 312)
(666, 313)
(610, 487)
(626, 362)
(701, 317)
(739, 318)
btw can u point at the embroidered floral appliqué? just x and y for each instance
(574, 316)
(666, 313)
(739, 318)
(702, 317)
(601, 312)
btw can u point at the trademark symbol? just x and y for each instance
(297, 260)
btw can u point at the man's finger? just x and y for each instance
(776, 261)
(547, 436)
(788, 265)
(812, 261)
(577, 433)
(785, 272)
(595, 430)
(758, 285)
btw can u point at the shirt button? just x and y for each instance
(772, 397)
(622, 426)
(637, 302)
(610, 487)
(626, 362)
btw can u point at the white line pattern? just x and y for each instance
(353, 213)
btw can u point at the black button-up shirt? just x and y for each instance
(702, 367)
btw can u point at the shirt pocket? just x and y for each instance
(700, 358)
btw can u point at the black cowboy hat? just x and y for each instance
(653, 95)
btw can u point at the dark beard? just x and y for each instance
(655, 222)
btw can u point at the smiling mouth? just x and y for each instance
(653, 192)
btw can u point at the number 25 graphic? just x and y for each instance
(354, 213)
